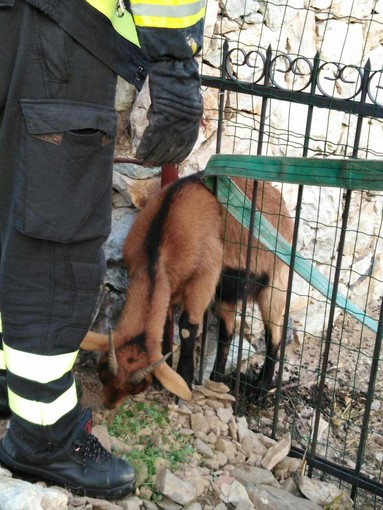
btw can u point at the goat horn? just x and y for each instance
(139, 376)
(112, 358)
(173, 382)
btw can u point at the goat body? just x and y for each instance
(183, 249)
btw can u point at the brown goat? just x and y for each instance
(179, 245)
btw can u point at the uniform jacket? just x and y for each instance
(127, 35)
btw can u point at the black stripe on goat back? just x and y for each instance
(156, 229)
(231, 286)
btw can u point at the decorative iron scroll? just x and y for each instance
(306, 72)
(313, 81)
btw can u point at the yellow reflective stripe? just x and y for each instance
(36, 367)
(157, 22)
(167, 13)
(124, 25)
(41, 413)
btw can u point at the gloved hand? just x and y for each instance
(174, 114)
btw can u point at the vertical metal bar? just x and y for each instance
(298, 211)
(346, 211)
(328, 339)
(310, 111)
(250, 234)
(370, 395)
(262, 121)
(363, 96)
(245, 293)
(287, 309)
(221, 110)
(221, 102)
(378, 341)
(203, 347)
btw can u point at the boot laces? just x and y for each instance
(92, 450)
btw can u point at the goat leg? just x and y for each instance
(223, 347)
(265, 376)
(188, 333)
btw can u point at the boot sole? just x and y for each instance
(34, 474)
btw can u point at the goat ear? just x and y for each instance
(173, 382)
(95, 342)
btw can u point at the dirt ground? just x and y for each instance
(344, 396)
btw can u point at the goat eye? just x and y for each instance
(131, 360)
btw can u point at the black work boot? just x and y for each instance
(86, 469)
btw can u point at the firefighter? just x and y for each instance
(58, 65)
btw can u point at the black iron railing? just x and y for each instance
(312, 82)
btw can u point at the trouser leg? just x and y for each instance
(57, 125)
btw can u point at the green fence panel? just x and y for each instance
(350, 174)
(232, 198)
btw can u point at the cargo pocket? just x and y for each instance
(65, 184)
(81, 292)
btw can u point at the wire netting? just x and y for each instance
(303, 79)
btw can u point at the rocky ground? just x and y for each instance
(228, 466)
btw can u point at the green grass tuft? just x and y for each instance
(145, 427)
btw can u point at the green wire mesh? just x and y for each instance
(298, 81)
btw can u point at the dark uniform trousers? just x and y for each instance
(57, 128)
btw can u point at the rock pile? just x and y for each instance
(232, 467)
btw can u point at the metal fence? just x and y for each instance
(328, 390)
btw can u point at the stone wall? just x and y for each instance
(347, 32)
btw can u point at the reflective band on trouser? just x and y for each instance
(123, 25)
(40, 369)
(37, 367)
(41, 413)
(167, 13)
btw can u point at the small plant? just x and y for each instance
(145, 427)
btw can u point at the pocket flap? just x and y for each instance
(50, 116)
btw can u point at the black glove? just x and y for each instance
(174, 114)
